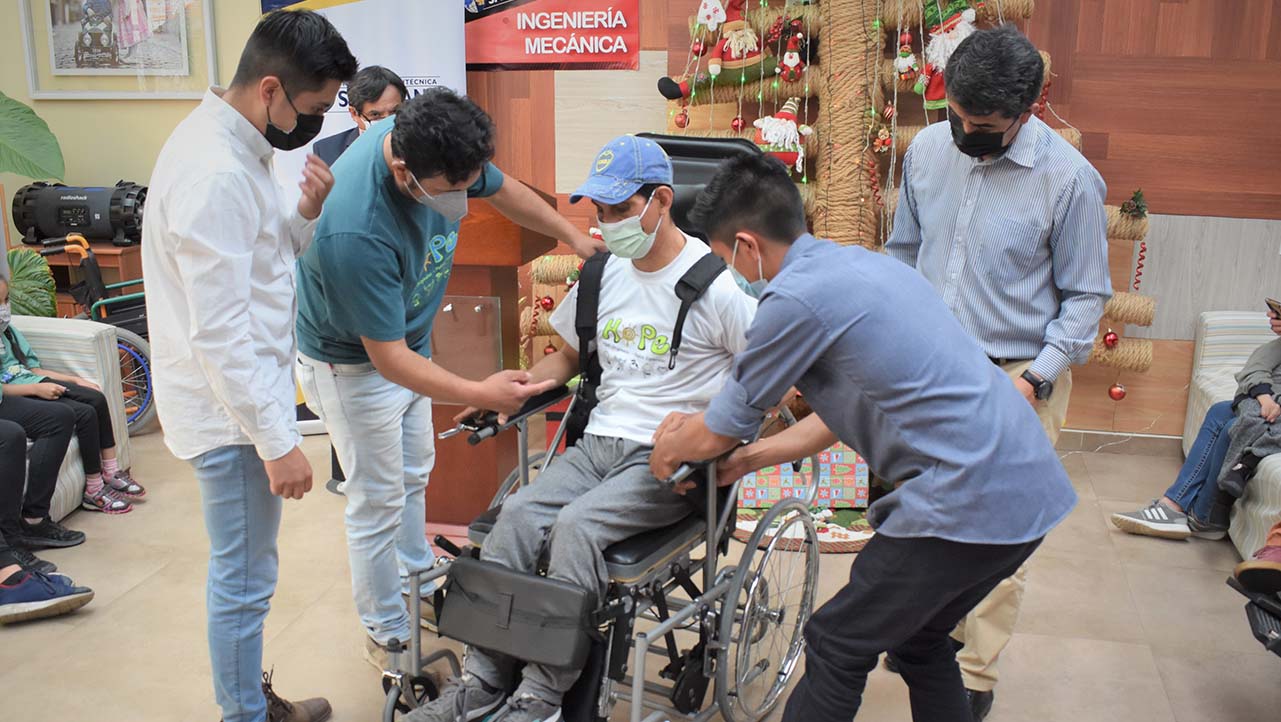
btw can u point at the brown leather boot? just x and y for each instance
(281, 710)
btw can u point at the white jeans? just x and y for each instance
(383, 435)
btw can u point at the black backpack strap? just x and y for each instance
(589, 280)
(689, 289)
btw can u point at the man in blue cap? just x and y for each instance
(600, 491)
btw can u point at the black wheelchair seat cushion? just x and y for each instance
(628, 559)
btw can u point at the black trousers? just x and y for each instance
(904, 596)
(49, 425)
(93, 422)
(13, 471)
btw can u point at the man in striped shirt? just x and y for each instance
(1006, 220)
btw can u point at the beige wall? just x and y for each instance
(106, 140)
(595, 106)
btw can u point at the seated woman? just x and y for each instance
(28, 588)
(36, 397)
(1194, 505)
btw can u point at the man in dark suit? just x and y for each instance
(374, 94)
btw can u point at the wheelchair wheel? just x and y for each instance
(512, 482)
(764, 614)
(421, 690)
(136, 380)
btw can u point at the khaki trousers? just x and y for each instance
(989, 626)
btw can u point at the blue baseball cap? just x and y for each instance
(620, 169)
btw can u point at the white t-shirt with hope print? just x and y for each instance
(634, 325)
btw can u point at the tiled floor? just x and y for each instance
(1114, 627)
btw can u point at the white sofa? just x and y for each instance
(86, 349)
(1224, 340)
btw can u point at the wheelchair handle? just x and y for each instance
(485, 424)
(682, 473)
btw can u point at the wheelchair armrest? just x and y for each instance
(486, 423)
(123, 284)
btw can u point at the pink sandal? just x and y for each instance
(106, 502)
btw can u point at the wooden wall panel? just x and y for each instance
(1179, 97)
(523, 106)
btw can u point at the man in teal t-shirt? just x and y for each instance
(368, 292)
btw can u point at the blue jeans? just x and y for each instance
(383, 435)
(242, 518)
(1195, 488)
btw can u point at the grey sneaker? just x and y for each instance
(1155, 519)
(464, 699)
(1206, 530)
(528, 708)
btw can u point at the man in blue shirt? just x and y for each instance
(367, 296)
(1006, 220)
(889, 370)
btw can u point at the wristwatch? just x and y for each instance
(1040, 386)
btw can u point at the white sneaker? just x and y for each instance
(1155, 519)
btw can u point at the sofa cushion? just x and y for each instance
(1258, 509)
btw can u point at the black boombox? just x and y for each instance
(41, 211)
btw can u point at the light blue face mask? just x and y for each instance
(751, 288)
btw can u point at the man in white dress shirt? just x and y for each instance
(218, 254)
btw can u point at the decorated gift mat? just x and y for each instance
(840, 531)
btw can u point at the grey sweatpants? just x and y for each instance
(598, 493)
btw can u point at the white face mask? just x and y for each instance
(751, 288)
(5, 316)
(627, 238)
(450, 204)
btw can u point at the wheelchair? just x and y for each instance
(673, 595)
(128, 313)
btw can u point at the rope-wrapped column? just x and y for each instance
(844, 209)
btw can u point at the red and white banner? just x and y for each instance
(553, 35)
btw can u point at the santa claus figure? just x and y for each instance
(739, 45)
(781, 135)
(791, 66)
(905, 64)
(944, 39)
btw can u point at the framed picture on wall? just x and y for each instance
(119, 49)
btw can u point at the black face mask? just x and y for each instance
(978, 145)
(307, 128)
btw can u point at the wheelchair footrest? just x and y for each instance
(1266, 627)
(691, 684)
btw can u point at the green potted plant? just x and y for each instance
(28, 148)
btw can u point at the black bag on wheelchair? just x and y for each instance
(526, 616)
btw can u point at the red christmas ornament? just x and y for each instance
(1110, 339)
(682, 119)
(547, 302)
(698, 48)
(738, 124)
(549, 350)
(1117, 392)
